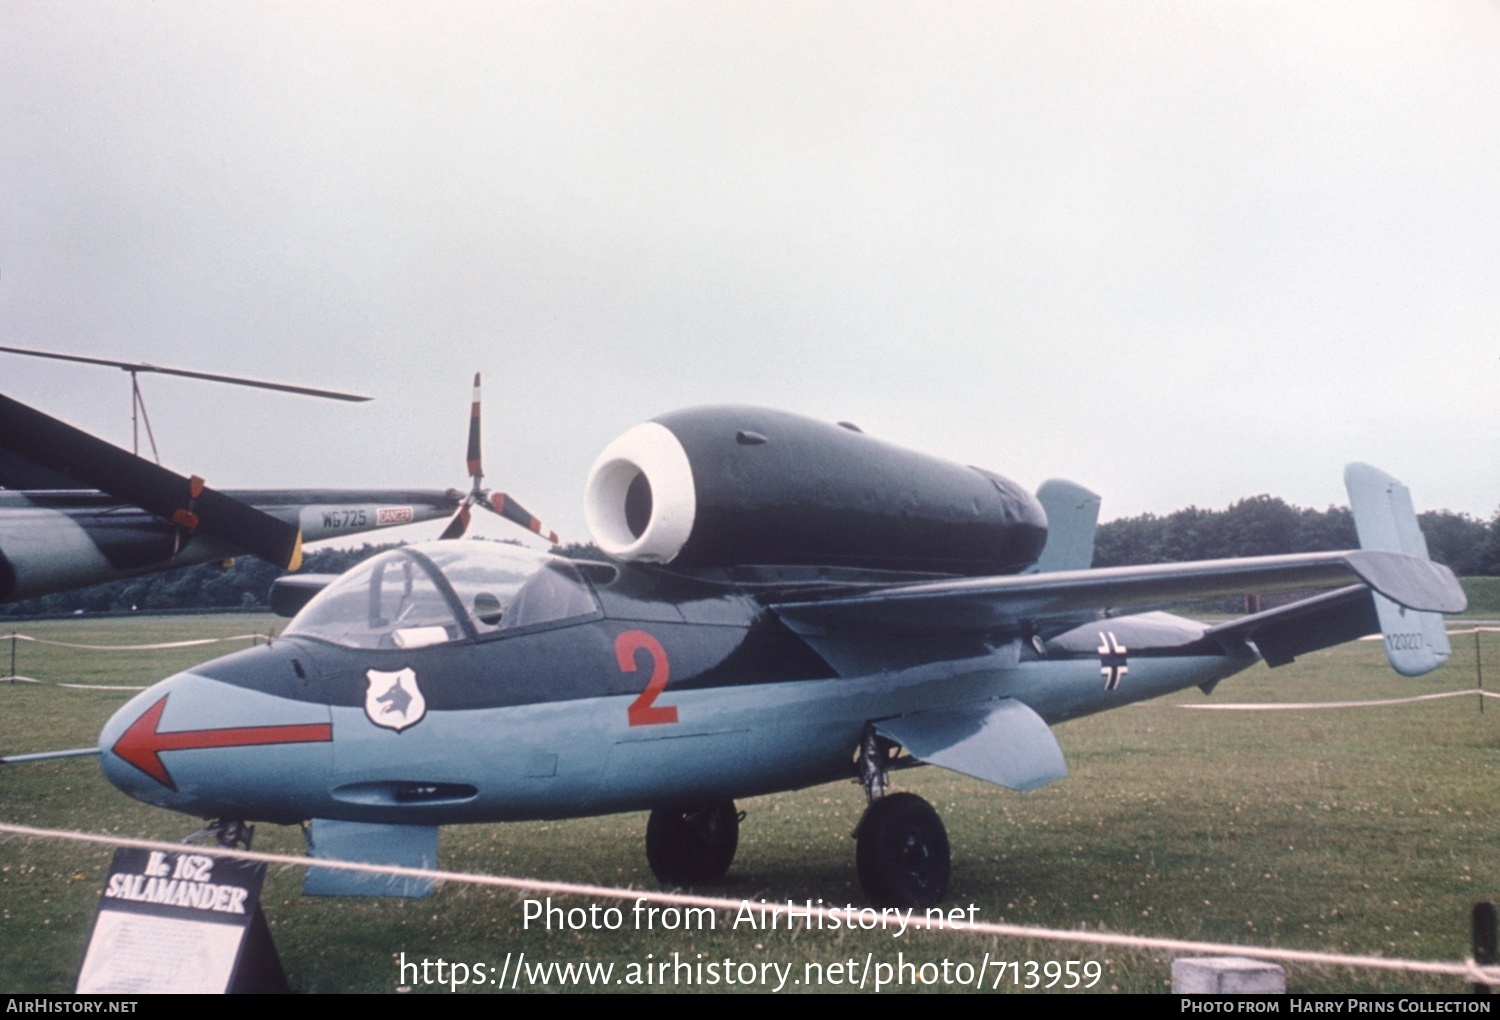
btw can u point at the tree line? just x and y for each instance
(1257, 526)
(244, 585)
(1268, 526)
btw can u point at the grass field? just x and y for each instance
(1484, 596)
(1368, 830)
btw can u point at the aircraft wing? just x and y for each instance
(1006, 741)
(1013, 603)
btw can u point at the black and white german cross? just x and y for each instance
(1111, 660)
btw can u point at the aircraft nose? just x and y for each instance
(199, 745)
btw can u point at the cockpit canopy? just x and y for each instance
(446, 591)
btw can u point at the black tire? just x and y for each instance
(688, 845)
(902, 855)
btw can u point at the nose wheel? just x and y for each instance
(689, 845)
(901, 855)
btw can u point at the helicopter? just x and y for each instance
(783, 602)
(76, 510)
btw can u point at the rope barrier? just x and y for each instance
(98, 687)
(1467, 969)
(1292, 706)
(160, 646)
(153, 647)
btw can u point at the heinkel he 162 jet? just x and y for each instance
(787, 603)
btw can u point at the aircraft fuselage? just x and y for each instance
(694, 699)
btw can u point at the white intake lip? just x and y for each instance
(652, 452)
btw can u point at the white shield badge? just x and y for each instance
(394, 700)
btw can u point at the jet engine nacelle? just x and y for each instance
(729, 486)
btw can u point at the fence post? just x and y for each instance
(1485, 943)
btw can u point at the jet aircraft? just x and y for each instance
(787, 603)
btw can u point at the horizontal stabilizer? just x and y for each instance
(1283, 633)
(1002, 742)
(406, 846)
(1415, 640)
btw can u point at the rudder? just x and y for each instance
(1415, 642)
(1072, 517)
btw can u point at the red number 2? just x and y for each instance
(643, 711)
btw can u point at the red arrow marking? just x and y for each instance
(140, 745)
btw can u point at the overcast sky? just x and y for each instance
(1181, 253)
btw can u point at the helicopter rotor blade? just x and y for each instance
(235, 380)
(476, 464)
(497, 503)
(458, 525)
(508, 508)
(186, 502)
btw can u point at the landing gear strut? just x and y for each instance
(229, 833)
(902, 854)
(693, 844)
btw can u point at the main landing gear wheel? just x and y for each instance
(688, 845)
(902, 855)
